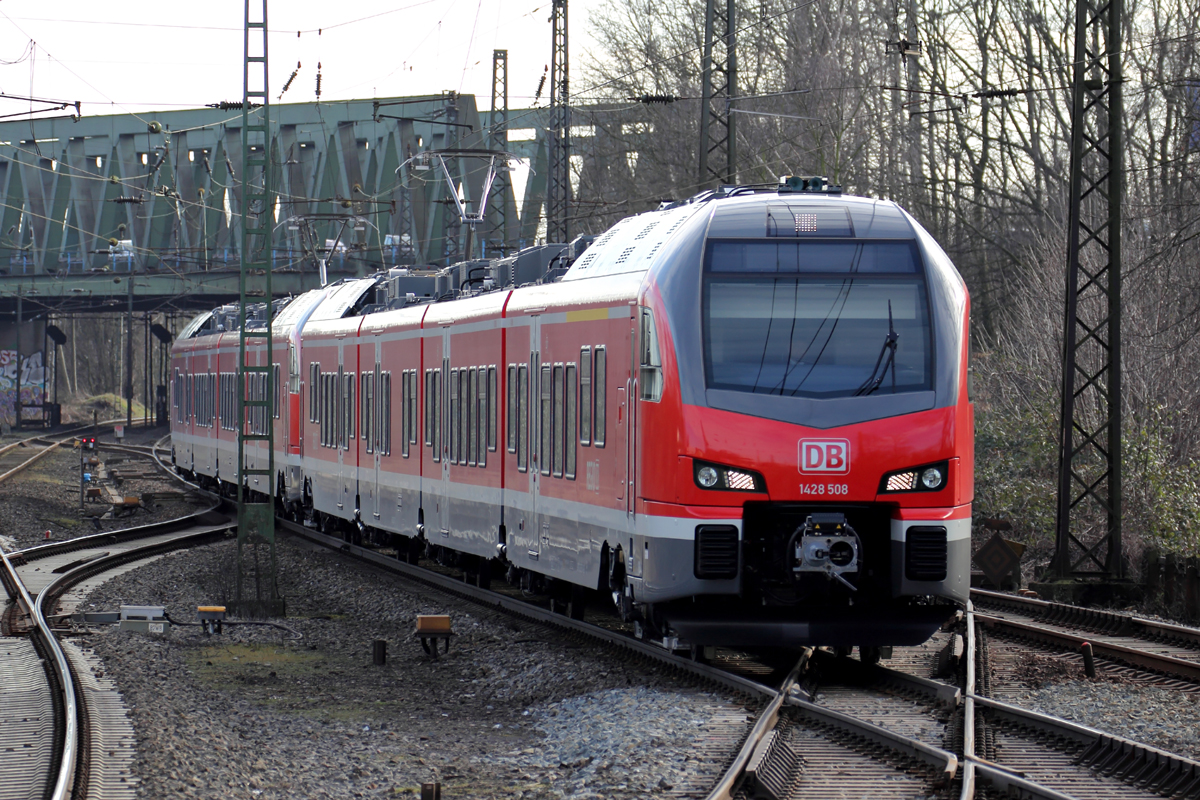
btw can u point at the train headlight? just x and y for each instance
(927, 478)
(932, 478)
(715, 476)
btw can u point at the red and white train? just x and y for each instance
(745, 417)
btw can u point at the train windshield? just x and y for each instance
(816, 319)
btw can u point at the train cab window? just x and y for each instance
(650, 377)
(510, 409)
(813, 319)
(585, 396)
(546, 419)
(490, 403)
(522, 418)
(572, 395)
(559, 421)
(599, 377)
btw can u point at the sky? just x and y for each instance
(137, 56)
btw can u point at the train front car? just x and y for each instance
(805, 430)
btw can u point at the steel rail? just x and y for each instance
(1143, 659)
(1114, 622)
(36, 457)
(64, 780)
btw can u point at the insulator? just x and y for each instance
(318, 80)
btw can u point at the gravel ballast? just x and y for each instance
(511, 711)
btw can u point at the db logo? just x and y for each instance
(826, 456)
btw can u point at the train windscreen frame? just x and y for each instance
(816, 318)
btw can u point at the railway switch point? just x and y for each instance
(211, 618)
(432, 628)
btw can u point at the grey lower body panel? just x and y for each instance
(872, 627)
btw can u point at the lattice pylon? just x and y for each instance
(1088, 532)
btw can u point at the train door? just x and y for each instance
(537, 533)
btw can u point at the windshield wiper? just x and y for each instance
(889, 351)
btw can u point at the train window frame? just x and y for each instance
(585, 395)
(510, 419)
(600, 390)
(523, 418)
(491, 402)
(572, 403)
(545, 417)
(481, 418)
(275, 394)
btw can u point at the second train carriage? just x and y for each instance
(745, 417)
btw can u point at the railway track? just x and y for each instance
(832, 728)
(1131, 647)
(1019, 752)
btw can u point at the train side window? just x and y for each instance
(569, 416)
(546, 420)
(366, 418)
(510, 409)
(559, 421)
(407, 378)
(293, 369)
(386, 416)
(650, 379)
(471, 417)
(454, 437)
(585, 396)
(314, 374)
(599, 378)
(523, 418)
(412, 406)
(275, 394)
(437, 415)
(428, 407)
(492, 408)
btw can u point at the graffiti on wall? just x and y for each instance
(33, 384)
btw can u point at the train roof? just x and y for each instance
(635, 243)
